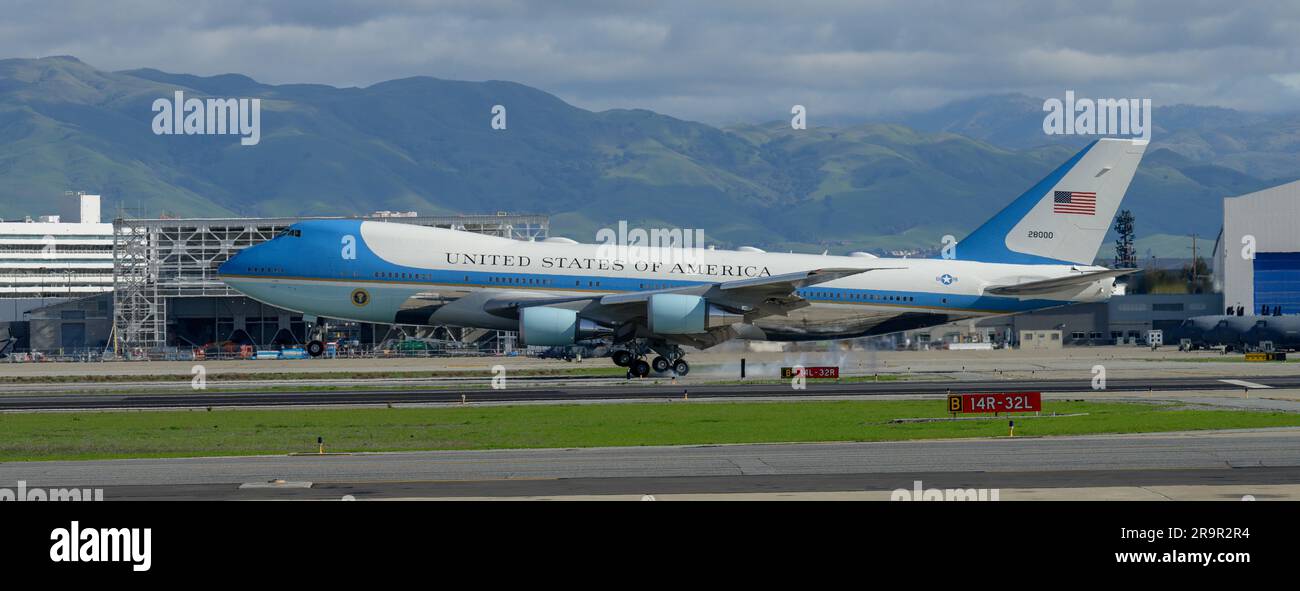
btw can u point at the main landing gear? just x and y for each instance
(636, 367)
(669, 358)
(622, 358)
(661, 364)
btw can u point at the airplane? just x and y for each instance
(1035, 253)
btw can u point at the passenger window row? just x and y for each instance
(831, 295)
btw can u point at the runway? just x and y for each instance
(622, 391)
(1222, 464)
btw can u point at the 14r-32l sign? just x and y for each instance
(996, 402)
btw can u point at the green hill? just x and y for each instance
(426, 144)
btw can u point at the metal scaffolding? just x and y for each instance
(155, 260)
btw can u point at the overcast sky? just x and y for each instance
(721, 62)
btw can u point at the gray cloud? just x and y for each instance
(722, 61)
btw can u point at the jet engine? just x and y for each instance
(671, 313)
(543, 325)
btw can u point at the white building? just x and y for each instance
(1257, 257)
(48, 258)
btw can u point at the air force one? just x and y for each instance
(1036, 253)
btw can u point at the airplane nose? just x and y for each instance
(252, 260)
(228, 267)
(239, 263)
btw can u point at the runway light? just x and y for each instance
(1012, 425)
(320, 442)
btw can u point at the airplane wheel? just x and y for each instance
(315, 348)
(660, 364)
(640, 368)
(622, 358)
(681, 367)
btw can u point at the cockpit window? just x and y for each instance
(289, 232)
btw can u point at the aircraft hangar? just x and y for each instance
(166, 294)
(1257, 255)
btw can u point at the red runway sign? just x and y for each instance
(996, 402)
(812, 372)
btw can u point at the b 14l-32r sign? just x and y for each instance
(996, 402)
(810, 372)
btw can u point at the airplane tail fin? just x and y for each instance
(1064, 218)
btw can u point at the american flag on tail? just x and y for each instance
(1077, 202)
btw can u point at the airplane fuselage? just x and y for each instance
(407, 274)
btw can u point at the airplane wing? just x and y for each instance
(1045, 286)
(755, 297)
(745, 293)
